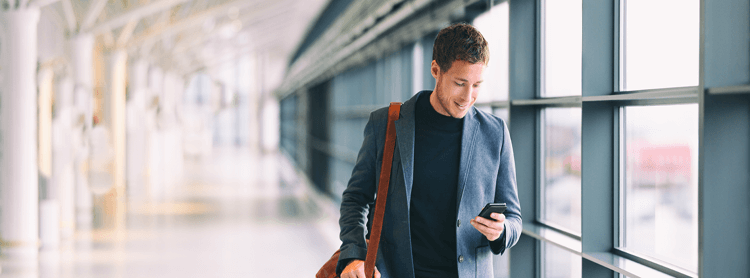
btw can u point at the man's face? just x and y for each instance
(456, 90)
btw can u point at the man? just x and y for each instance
(451, 159)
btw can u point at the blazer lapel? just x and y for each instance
(405, 139)
(467, 150)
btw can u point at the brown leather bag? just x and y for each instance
(329, 268)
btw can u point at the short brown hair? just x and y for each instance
(460, 41)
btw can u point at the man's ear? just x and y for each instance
(434, 69)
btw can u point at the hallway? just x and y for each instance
(236, 213)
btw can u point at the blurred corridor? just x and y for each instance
(237, 213)
(214, 138)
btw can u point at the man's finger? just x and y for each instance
(488, 232)
(498, 216)
(489, 223)
(377, 273)
(480, 227)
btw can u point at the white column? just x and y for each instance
(65, 130)
(155, 188)
(172, 136)
(119, 61)
(49, 207)
(19, 226)
(83, 66)
(136, 130)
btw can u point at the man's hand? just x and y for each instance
(490, 228)
(356, 269)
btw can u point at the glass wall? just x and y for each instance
(559, 263)
(493, 97)
(561, 48)
(660, 183)
(659, 43)
(561, 163)
(659, 48)
(494, 27)
(560, 134)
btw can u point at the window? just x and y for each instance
(660, 43)
(561, 167)
(559, 263)
(502, 113)
(659, 201)
(561, 48)
(493, 25)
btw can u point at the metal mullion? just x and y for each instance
(540, 46)
(560, 229)
(654, 263)
(665, 91)
(540, 258)
(742, 89)
(571, 101)
(652, 96)
(541, 179)
(619, 44)
(494, 104)
(664, 101)
(619, 176)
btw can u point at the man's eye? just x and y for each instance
(460, 84)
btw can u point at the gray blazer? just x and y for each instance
(487, 174)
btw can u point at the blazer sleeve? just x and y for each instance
(357, 199)
(507, 192)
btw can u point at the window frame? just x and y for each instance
(619, 223)
(621, 98)
(540, 102)
(617, 99)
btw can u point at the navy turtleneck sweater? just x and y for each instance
(437, 151)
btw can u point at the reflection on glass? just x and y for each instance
(560, 263)
(660, 43)
(561, 195)
(561, 48)
(660, 190)
(494, 27)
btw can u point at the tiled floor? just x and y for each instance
(234, 214)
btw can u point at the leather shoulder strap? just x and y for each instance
(385, 178)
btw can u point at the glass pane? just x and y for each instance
(494, 27)
(560, 263)
(485, 108)
(561, 48)
(503, 114)
(501, 265)
(561, 204)
(660, 40)
(660, 194)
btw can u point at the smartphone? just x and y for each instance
(490, 208)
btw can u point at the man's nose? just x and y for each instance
(467, 93)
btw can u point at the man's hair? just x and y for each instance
(460, 41)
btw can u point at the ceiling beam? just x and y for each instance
(249, 21)
(95, 9)
(70, 16)
(134, 14)
(41, 3)
(198, 19)
(127, 32)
